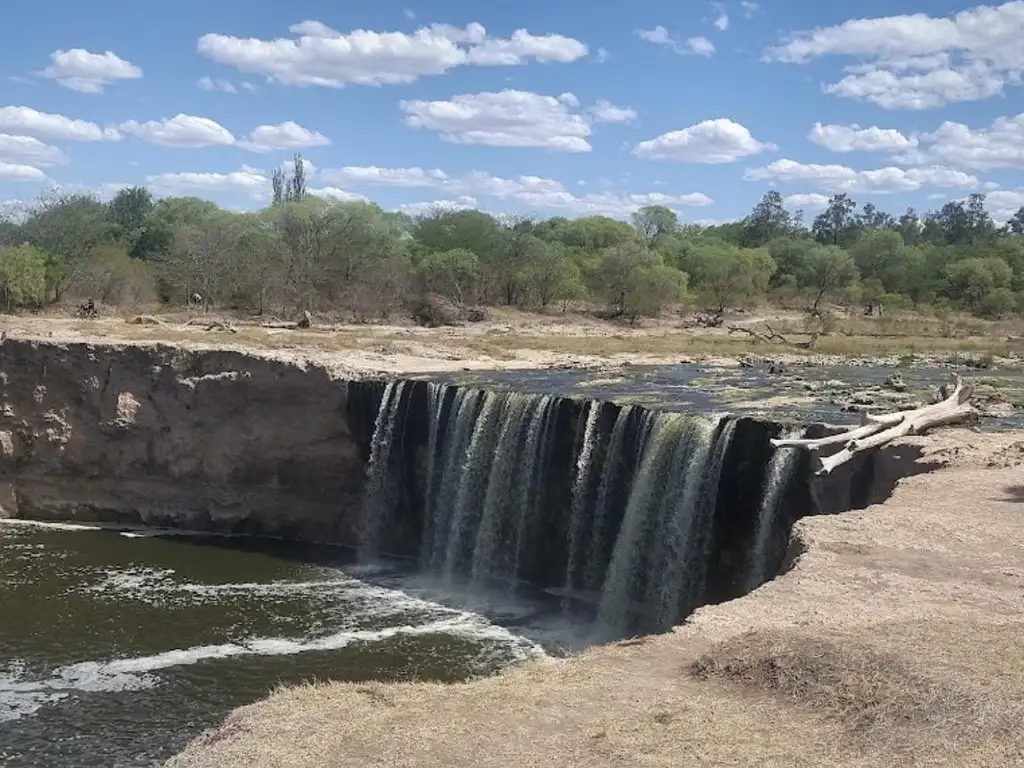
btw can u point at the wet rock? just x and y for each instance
(895, 382)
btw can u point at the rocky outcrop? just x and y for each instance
(215, 440)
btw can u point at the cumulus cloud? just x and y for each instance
(463, 203)
(812, 201)
(531, 191)
(185, 131)
(606, 112)
(506, 119)
(322, 56)
(337, 195)
(916, 61)
(840, 178)
(26, 150)
(86, 72)
(722, 21)
(1002, 204)
(26, 121)
(287, 135)
(20, 172)
(216, 84)
(700, 46)
(850, 138)
(1000, 145)
(247, 181)
(710, 142)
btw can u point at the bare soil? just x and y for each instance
(515, 340)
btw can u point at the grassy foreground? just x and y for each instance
(894, 641)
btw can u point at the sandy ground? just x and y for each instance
(895, 640)
(516, 340)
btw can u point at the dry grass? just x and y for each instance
(883, 700)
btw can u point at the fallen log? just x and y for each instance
(880, 429)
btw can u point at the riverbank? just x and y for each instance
(893, 640)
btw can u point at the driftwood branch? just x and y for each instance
(880, 429)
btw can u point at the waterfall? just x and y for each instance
(578, 519)
(380, 495)
(660, 554)
(629, 515)
(780, 471)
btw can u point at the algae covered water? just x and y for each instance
(117, 648)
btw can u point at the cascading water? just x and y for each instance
(777, 478)
(616, 509)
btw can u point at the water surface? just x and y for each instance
(116, 649)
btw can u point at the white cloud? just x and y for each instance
(1002, 204)
(531, 191)
(850, 138)
(247, 181)
(659, 36)
(216, 84)
(701, 46)
(186, 131)
(970, 56)
(30, 122)
(722, 22)
(709, 142)
(325, 57)
(919, 91)
(336, 195)
(807, 202)
(506, 119)
(19, 172)
(1001, 145)
(287, 135)
(606, 112)
(840, 178)
(409, 13)
(602, 55)
(749, 7)
(463, 203)
(86, 72)
(25, 150)
(693, 45)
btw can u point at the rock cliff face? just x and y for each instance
(217, 441)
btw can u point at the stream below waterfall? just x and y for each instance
(118, 648)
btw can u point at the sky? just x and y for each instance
(565, 108)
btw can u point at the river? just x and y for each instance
(117, 648)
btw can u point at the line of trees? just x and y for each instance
(305, 253)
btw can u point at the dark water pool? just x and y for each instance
(116, 649)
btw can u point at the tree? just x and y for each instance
(768, 220)
(1016, 222)
(298, 182)
(553, 276)
(881, 254)
(450, 274)
(655, 220)
(22, 276)
(837, 223)
(829, 270)
(724, 275)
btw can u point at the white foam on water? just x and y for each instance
(413, 617)
(15, 523)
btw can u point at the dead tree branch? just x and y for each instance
(880, 429)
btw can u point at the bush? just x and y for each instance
(110, 276)
(23, 272)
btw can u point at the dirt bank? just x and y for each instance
(215, 441)
(894, 640)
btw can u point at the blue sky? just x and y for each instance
(555, 108)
